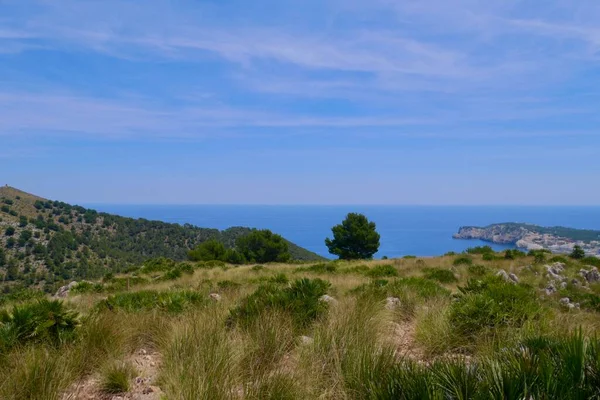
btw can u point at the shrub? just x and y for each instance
(463, 260)
(207, 251)
(578, 253)
(590, 260)
(263, 246)
(157, 265)
(409, 257)
(440, 274)
(322, 268)
(513, 254)
(279, 278)
(173, 301)
(489, 257)
(233, 256)
(87, 287)
(115, 378)
(8, 201)
(258, 268)
(42, 320)
(355, 238)
(9, 231)
(493, 303)
(357, 269)
(380, 271)
(300, 300)
(480, 250)
(477, 270)
(560, 259)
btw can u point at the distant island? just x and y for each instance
(557, 239)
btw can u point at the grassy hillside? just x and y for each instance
(433, 328)
(45, 242)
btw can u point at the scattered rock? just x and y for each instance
(591, 275)
(215, 296)
(504, 275)
(554, 270)
(513, 277)
(563, 285)
(391, 303)
(147, 390)
(550, 289)
(328, 299)
(565, 301)
(575, 282)
(63, 291)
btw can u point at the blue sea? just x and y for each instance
(405, 230)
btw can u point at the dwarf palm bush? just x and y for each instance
(173, 301)
(43, 320)
(301, 300)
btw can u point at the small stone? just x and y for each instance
(563, 285)
(571, 306)
(328, 299)
(565, 301)
(152, 364)
(139, 380)
(550, 289)
(503, 274)
(143, 352)
(306, 340)
(147, 390)
(575, 282)
(513, 277)
(215, 296)
(391, 303)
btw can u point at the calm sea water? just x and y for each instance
(405, 230)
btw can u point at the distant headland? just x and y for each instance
(557, 239)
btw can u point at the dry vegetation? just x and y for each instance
(433, 328)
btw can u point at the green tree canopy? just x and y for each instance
(208, 251)
(263, 246)
(577, 253)
(355, 238)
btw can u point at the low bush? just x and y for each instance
(380, 271)
(279, 278)
(173, 301)
(41, 321)
(480, 250)
(595, 261)
(463, 260)
(493, 303)
(258, 268)
(357, 269)
(87, 287)
(489, 257)
(440, 274)
(513, 254)
(478, 270)
(321, 268)
(115, 378)
(300, 300)
(560, 259)
(157, 265)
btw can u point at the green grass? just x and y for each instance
(173, 301)
(300, 300)
(440, 274)
(116, 378)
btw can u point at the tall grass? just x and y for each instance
(199, 359)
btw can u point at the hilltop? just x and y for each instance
(557, 239)
(43, 242)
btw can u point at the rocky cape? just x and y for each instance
(534, 237)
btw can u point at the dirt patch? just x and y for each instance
(143, 386)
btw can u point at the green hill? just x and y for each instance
(46, 242)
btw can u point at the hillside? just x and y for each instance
(46, 242)
(466, 326)
(557, 239)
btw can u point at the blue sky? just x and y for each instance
(302, 102)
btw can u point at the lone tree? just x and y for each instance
(577, 253)
(355, 238)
